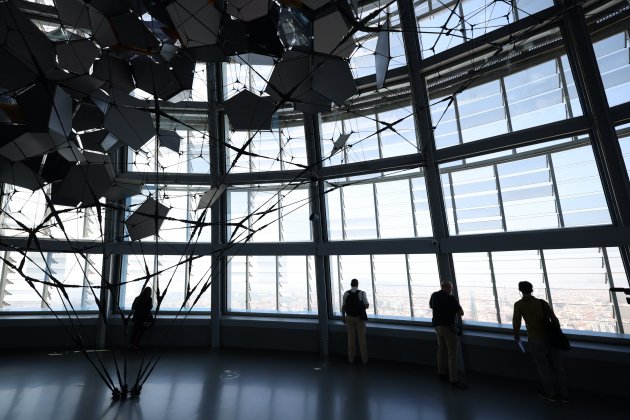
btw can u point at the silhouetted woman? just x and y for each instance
(142, 317)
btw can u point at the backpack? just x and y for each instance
(354, 304)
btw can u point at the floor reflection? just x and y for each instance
(267, 386)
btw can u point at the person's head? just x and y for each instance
(525, 287)
(447, 286)
(354, 283)
(146, 291)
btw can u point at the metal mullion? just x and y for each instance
(613, 296)
(590, 88)
(500, 197)
(48, 269)
(343, 214)
(280, 215)
(373, 285)
(308, 285)
(217, 131)
(458, 122)
(554, 186)
(514, 10)
(454, 206)
(379, 139)
(462, 21)
(412, 313)
(376, 216)
(3, 278)
(494, 288)
(247, 293)
(340, 283)
(565, 87)
(413, 208)
(506, 106)
(319, 229)
(543, 265)
(277, 258)
(424, 132)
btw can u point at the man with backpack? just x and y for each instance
(353, 313)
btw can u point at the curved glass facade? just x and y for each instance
(494, 153)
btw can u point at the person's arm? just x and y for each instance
(516, 322)
(343, 308)
(431, 301)
(365, 300)
(460, 311)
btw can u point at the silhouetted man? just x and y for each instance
(353, 313)
(445, 308)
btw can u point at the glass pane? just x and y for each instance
(510, 268)
(391, 286)
(394, 209)
(579, 289)
(199, 289)
(398, 135)
(445, 24)
(425, 280)
(193, 155)
(579, 188)
(613, 60)
(297, 293)
(138, 272)
(74, 274)
(30, 209)
(523, 93)
(548, 191)
(620, 279)
(474, 287)
(623, 133)
(476, 201)
(345, 268)
(358, 211)
(279, 284)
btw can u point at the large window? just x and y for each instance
(465, 110)
(612, 58)
(181, 280)
(397, 286)
(22, 209)
(538, 191)
(37, 281)
(574, 281)
(269, 214)
(185, 221)
(272, 284)
(378, 209)
(191, 156)
(445, 24)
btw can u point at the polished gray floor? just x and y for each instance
(239, 385)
